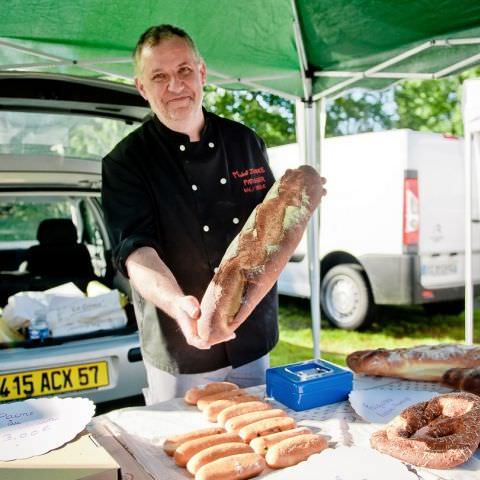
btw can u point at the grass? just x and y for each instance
(395, 327)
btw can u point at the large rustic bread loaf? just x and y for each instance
(255, 258)
(425, 362)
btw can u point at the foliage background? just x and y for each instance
(427, 105)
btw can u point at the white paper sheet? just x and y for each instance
(35, 426)
(381, 406)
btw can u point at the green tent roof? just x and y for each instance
(254, 44)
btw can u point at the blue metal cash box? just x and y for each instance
(309, 384)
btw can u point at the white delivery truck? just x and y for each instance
(392, 225)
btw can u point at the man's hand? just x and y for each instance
(155, 282)
(186, 311)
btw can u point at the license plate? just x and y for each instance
(48, 381)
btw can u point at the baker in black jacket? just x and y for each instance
(175, 193)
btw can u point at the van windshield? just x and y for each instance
(80, 136)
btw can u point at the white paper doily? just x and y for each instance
(36, 426)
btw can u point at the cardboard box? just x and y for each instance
(82, 458)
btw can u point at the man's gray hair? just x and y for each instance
(156, 34)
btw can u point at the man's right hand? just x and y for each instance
(186, 311)
(155, 282)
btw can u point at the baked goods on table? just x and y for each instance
(441, 433)
(214, 453)
(207, 400)
(214, 409)
(291, 451)
(172, 443)
(466, 379)
(233, 467)
(241, 408)
(424, 362)
(255, 258)
(193, 395)
(187, 450)
(235, 424)
(262, 444)
(242, 449)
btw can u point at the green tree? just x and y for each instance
(359, 112)
(272, 117)
(432, 105)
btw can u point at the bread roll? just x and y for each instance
(425, 362)
(262, 444)
(467, 379)
(214, 453)
(172, 443)
(241, 409)
(194, 394)
(266, 427)
(234, 467)
(204, 402)
(294, 450)
(235, 424)
(441, 433)
(255, 258)
(187, 450)
(216, 407)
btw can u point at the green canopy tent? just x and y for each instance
(304, 50)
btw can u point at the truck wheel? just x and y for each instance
(346, 299)
(452, 307)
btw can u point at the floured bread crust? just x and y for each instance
(441, 433)
(255, 258)
(424, 362)
(467, 379)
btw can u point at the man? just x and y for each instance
(175, 193)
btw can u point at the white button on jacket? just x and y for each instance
(182, 148)
(206, 228)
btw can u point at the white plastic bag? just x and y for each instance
(66, 309)
(23, 307)
(87, 314)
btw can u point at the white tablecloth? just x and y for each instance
(142, 431)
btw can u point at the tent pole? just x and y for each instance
(468, 237)
(311, 149)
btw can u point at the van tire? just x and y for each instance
(346, 299)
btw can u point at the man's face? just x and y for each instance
(171, 79)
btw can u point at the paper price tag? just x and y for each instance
(36, 426)
(381, 406)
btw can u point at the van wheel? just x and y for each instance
(346, 299)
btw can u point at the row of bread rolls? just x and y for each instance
(250, 436)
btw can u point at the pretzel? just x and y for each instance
(441, 433)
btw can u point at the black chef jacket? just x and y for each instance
(188, 200)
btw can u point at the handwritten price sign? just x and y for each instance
(381, 406)
(36, 426)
